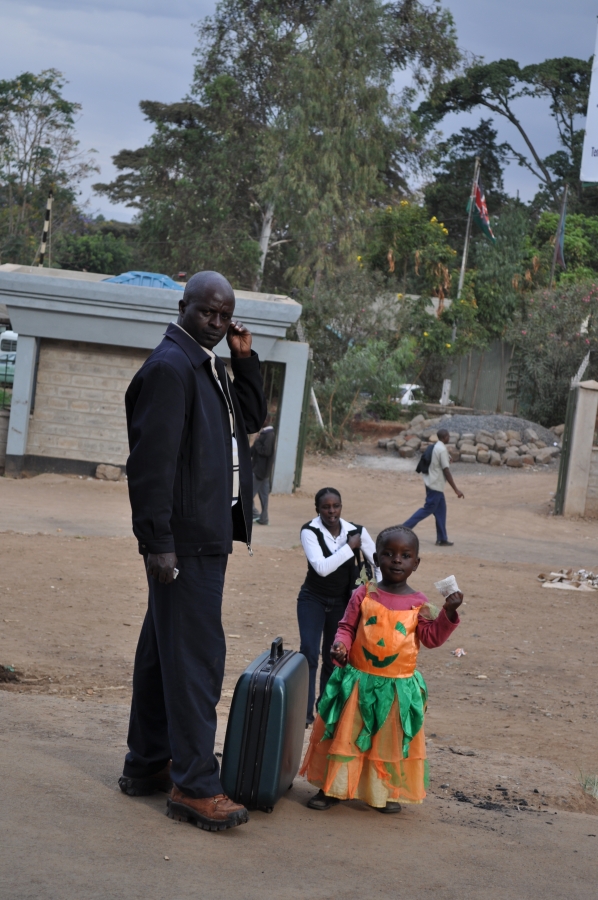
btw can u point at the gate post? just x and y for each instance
(581, 439)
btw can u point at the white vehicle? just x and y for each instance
(8, 342)
(408, 395)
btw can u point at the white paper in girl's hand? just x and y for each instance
(447, 586)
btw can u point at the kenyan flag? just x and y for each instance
(480, 211)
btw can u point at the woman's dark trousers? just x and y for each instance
(179, 667)
(318, 619)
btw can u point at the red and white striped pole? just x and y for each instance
(46, 231)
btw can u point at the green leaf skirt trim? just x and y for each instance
(376, 696)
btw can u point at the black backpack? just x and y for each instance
(423, 466)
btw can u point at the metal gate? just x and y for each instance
(559, 499)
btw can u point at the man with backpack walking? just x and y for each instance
(434, 466)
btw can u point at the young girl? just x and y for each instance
(368, 740)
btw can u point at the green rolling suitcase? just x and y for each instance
(266, 728)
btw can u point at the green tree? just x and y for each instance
(104, 253)
(38, 151)
(499, 85)
(375, 370)
(236, 176)
(550, 335)
(581, 248)
(503, 270)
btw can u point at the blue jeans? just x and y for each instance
(435, 505)
(318, 619)
(179, 667)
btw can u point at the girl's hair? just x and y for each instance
(322, 493)
(396, 529)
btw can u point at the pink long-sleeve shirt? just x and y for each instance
(431, 632)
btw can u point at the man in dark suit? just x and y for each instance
(191, 492)
(262, 458)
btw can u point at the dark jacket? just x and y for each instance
(262, 454)
(180, 464)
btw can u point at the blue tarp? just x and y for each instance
(147, 279)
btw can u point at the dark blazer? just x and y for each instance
(262, 454)
(180, 465)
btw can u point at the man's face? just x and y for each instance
(207, 319)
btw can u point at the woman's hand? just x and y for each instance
(452, 604)
(354, 541)
(339, 652)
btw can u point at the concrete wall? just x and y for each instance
(592, 492)
(79, 411)
(4, 417)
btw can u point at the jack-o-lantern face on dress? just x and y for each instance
(386, 642)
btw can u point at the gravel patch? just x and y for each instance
(473, 424)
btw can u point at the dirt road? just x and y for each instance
(509, 725)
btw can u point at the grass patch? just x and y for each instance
(590, 784)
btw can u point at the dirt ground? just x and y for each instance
(510, 726)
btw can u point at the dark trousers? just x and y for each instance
(435, 505)
(261, 487)
(179, 667)
(318, 619)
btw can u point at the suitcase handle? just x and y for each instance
(276, 650)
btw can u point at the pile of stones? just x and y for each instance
(499, 448)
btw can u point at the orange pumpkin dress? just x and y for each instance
(367, 742)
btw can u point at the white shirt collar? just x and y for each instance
(207, 349)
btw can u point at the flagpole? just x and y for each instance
(558, 234)
(474, 184)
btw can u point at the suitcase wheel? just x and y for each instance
(267, 809)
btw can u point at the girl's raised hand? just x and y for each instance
(452, 604)
(339, 652)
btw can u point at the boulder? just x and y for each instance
(108, 473)
(523, 449)
(417, 422)
(540, 444)
(406, 452)
(484, 437)
(483, 456)
(500, 444)
(468, 457)
(500, 435)
(558, 430)
(470, 438)
(514, 442)
(391, 445)
(382, 443)
(413, 442)
(510, 453)
(494, 458)
(481, 446)
(527, 459)
(466, 447)
(453, 452)
(515, 462)
(545, 455)
(513, 435)
(454, 437)
(530, 435)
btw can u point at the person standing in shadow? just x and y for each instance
(262, 460)
(333, 547)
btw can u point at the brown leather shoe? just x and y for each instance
(210, 813)
(143, 787)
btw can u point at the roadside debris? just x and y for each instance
(459, 652)
(570, 580)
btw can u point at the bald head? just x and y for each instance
(207, 308)
(207, 284)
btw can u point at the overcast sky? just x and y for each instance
(117, 52)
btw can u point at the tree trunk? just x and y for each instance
(264, 244)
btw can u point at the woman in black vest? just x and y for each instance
(332, 547)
